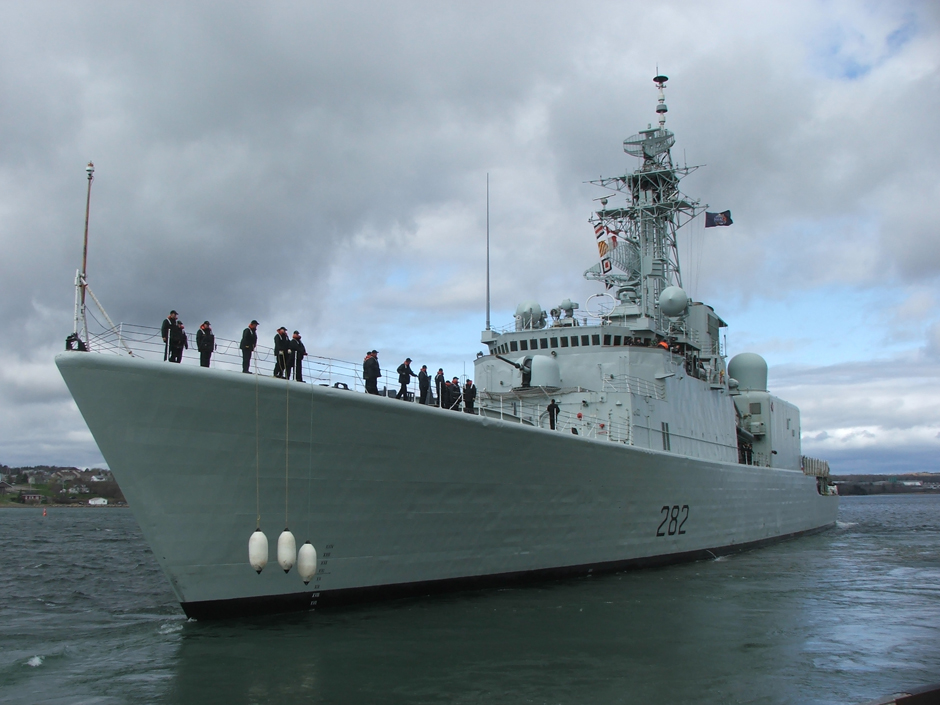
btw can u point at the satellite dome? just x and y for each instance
(750, 369)
(529, 315)
(673, 301)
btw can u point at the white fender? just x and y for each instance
(307, 562)
(258, 550)
(286, 550)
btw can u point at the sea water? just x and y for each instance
(844, 616)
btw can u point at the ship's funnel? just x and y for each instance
(750, 369)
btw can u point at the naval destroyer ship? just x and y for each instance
(654, 451)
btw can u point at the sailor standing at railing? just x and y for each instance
(247, 346)
(424, 385)
(168, 324)
(178, 341)
(205, 343)
(439, 385)
(455, 395)
(552, 410)
(371, 372)
(469, 396)
(298, 353)
(281, 352)
(405, 373)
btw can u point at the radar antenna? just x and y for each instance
(636, 240)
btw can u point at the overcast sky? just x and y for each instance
(322, 165)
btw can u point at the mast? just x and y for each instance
(487, 251)
(81, 282)
(637, 240)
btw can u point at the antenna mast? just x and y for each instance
(81, 279)
(487, 251)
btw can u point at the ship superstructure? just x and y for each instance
(659, 453)
(649, 370)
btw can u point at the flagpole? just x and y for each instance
(90, 170)
(487, 251)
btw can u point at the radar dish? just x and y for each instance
(649, 143)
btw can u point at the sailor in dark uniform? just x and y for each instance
(205, 343)
(405, 373)
(281, 352)
(552, 410)
(455, 395)
(371, 372)
(439, 386)
(424, 385)
(169, 323)
(298, 352)
(178, 341)
(469, 396)
(249, 341)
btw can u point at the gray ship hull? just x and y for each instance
(398, 498)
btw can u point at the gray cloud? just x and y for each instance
(322, 165)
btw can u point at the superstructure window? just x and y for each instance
(666, 442)
(523, 344)
(616, 340)
(553, 342)
(543, 343)
(595, 339)
(755, 407)
(534, 344)
(574, 341)
(513, 346)
(564, 342)
(607, 339)
(586, 340)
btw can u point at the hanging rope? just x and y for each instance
(310, 456)
(257, 453)
(286, 449)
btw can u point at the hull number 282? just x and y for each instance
(674, 518)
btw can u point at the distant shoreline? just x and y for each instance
(17, 505)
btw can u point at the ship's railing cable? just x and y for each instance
(145, 342)
(530, 412)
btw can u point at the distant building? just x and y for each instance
(30, 497)
(97, 502)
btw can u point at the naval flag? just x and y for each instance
(713, 220)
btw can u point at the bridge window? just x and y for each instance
(544, 344)
(513, 346)
(574, 341)
(534, 344)
(564, 342)
(523, 344)
(616, 340)
(595, 339)
(607, 340)
(553, 342)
